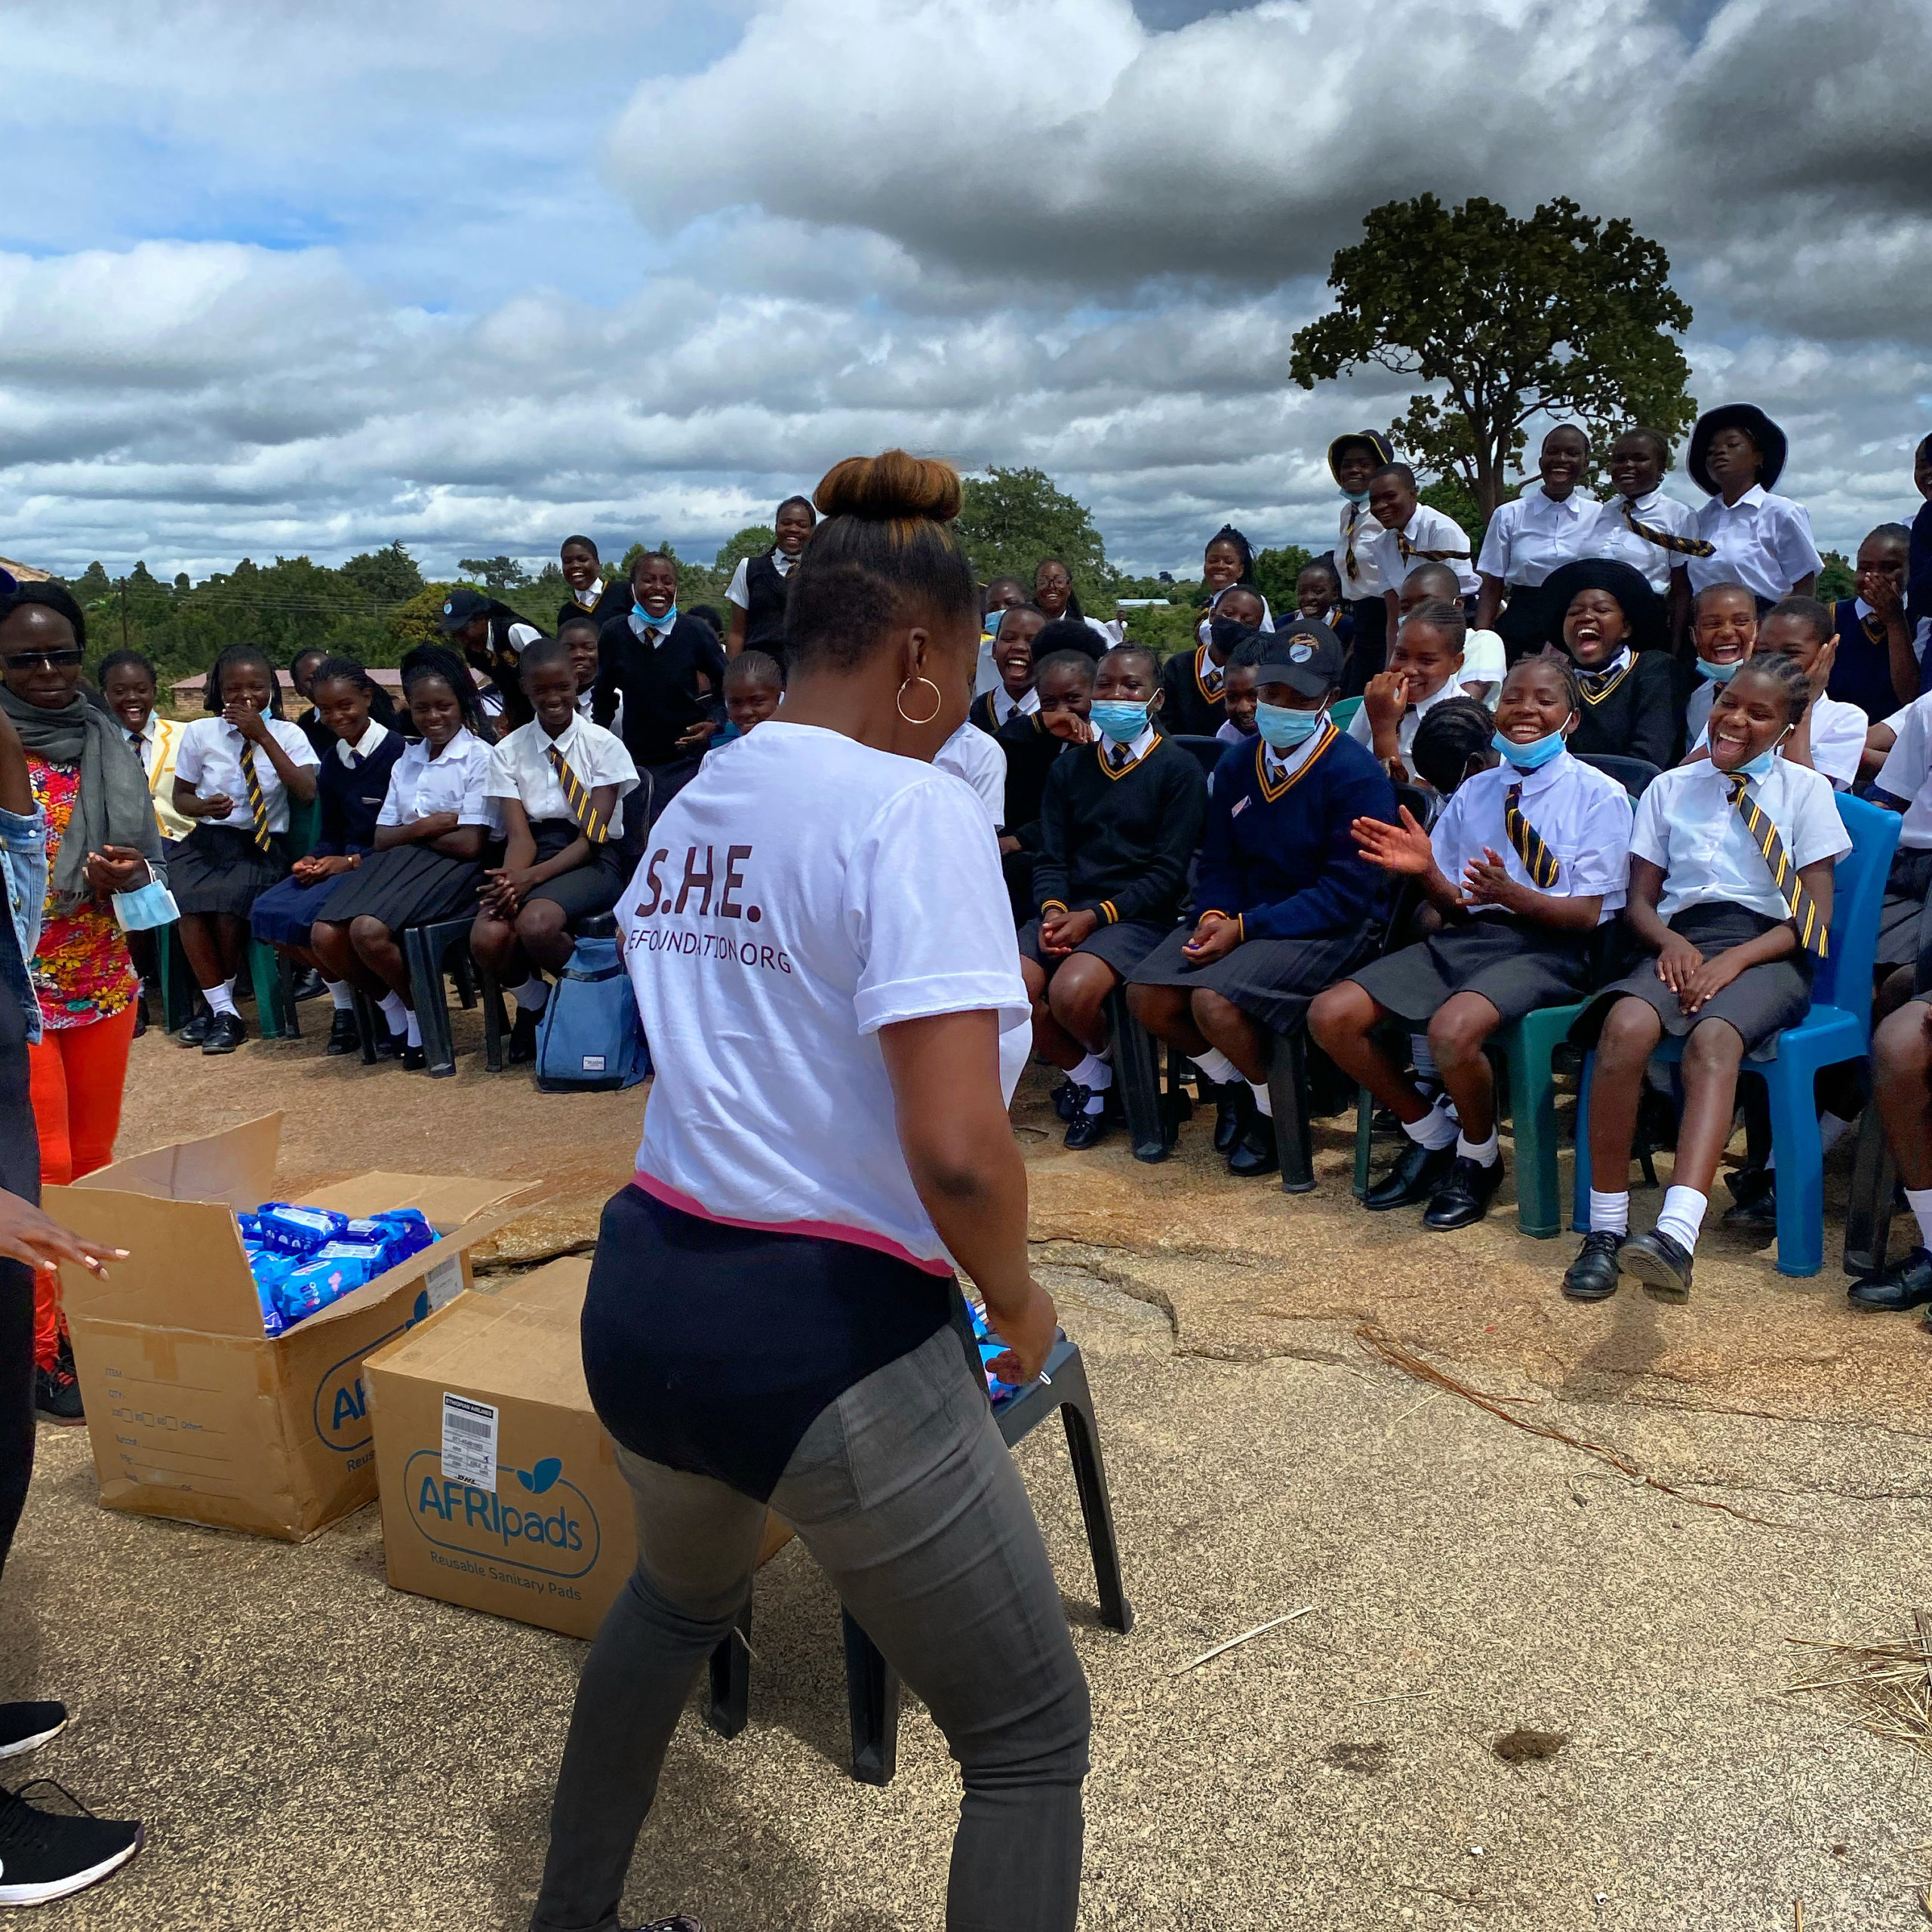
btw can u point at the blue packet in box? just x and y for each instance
(292, 1229)
(402, 1231)
(310, 1287)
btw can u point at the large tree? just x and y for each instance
(1562, 314)
(1012, 518)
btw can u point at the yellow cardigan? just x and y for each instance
(161, 779)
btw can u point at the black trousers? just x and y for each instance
(20, 1174)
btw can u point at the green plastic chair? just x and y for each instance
(1344, 709)
(1526, 1096)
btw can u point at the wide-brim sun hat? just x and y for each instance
(1773, 444)
(1384, 449)
(1643, 608)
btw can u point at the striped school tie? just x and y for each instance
(1598, 685)
(585, 814)
(1409, 552)
(1873, 626)
(1539, 861)
(1348, 542)
(1793, 889)
(1678, 546)
(258, 807)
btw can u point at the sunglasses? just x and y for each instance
(52, 660)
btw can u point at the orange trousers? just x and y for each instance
(75, 1076)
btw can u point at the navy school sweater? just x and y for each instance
(1118, 844)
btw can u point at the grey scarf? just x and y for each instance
(112, 806)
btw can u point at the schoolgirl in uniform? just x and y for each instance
(1228, 560)
(1527, 861)
(302, 677)
(1608, 621)
(1902, 1091)
(1033, 742)
(1239, 699)
(1053, 593)
(1724, 632)
(559, 783)
(234, 775)
(1013, 656)
(1352, 460)
(1655, 534)
(1287, 902)
(1485, 659)
(1731, 859)
(1547, 526)
(592, 595)
(1424, 669)
(426, 859)
(1119, 823)
(1878, 666)
(1193, 699)
(351, 786)
(1413, 534)
(753, 689)
(1760, 540)
(759, 585)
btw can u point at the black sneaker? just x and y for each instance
(1660, 1263)
(522, 1051)
(343, 1036)
(57, 1395)
(196, 1030)
(1593, 1274)
(25, 1727)
(226, 1033)
(48, 1855)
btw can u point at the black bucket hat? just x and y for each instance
(1643, 608)
(1772, 445)
(1385, 450)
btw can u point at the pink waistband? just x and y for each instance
(672, 1197)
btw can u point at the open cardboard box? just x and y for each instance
(549, 1538)
(195, 1413)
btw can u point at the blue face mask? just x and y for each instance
(1356, 495)
(1117, 719)
(1719, 674)
(146, 907)
(989, 623)
(641, 618)
(1758, 767)
(1528, 757)
(1284, 729)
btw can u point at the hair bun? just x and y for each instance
(893, 487)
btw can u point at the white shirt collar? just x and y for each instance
(1751, 499)
(371, 738)
(782, 563)
(1281, 765)
(1535, 784)
(1644, 505)
(149, 731)
(1006, 705)
(1860, 609)
(1139, 749)
(643, 623)
(589, 598)
(1451, 687)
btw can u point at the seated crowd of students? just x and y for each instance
(1207, 832)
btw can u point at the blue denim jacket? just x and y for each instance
(23, 859)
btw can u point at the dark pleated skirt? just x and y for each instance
(1517, 964)
(586, 891)
(1905, 920)
(1761, 1001)
(1122, 946)
(284, 914)
(1271, 980)
(406, 885)
(218, 868)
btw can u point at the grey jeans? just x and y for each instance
(903, 1492)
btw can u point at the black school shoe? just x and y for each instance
(1088, 1129)
(1257, 1151)
(1593, 1274)
(1755, 1209)
(1662, 1263)
(1234, 1106)
(25, 1727)
(1893, 1291)
(522, 1051)
(414, 1059)
(48, 1855)
(226, 1033)
(1463, 1198)
(1414, 1178)
(308, 984)
(680, 1922)
(1064, 1105)
(196, 1030)
(344, 1036)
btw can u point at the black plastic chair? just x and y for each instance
(1868, 1208)
(1137, 1073)
(1633, 774)
(872, 1685)
(429, 949)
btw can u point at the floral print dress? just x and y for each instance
(82, 971)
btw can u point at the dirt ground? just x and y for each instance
(1617, 1551)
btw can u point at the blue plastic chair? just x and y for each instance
(1839, 1028)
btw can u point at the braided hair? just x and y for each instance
(438, 660)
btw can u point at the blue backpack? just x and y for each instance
(591, 1039)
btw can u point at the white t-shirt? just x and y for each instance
(210, 759)
(1906, 773)
(797, 897)
(971, 755)
(520, 769)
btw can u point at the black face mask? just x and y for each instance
(1223, 633)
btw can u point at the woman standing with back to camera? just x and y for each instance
(825, 960)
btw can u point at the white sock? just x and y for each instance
(395, 1012)
(1831, 1131)
(1420, 1058)
(413, 1035)
(344, 995)
(1436, 1128)
(221, 999)
(1610, 1213)
(1485, 1153)
(1683, 1215)
(1919, 1200)
(1094, 1072)
(1259, 1090)
(532, 995)
(1215, 1066)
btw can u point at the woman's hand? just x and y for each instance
(1215, 936)
(115, 868)
(1030, 1327)
(1820, 672)
(1705, 982)
(1385, 697)
(1403, 848)
(1486, 881)
(27, 1234)
(696, 737)
(1677, 961)
(1061, 932)
(250, 723)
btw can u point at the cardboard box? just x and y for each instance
(195, 1413)
(549, 1539)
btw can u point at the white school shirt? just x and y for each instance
(1006, 705)
(520, 769)
(971, 755)
(1686, 823)
(1906, 773)
(1485, 660)
(210, 759)
(1365, 580)
(1762, 541)
(1362, 732)
(739, 591)
(797, 897)
(1581, 814)
(1697, 712)
(583, 704)
(1534, 534)
(1427, 530)
(1837, 738)
(452, 781)
(1611, 536)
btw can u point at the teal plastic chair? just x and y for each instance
(1343, 710)
(1837, 1029)
(275, 1012)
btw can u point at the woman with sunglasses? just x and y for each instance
(101, 839)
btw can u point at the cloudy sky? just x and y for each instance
(305, 275)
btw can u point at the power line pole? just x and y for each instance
(125, 644)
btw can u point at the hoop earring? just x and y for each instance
(938, 701)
